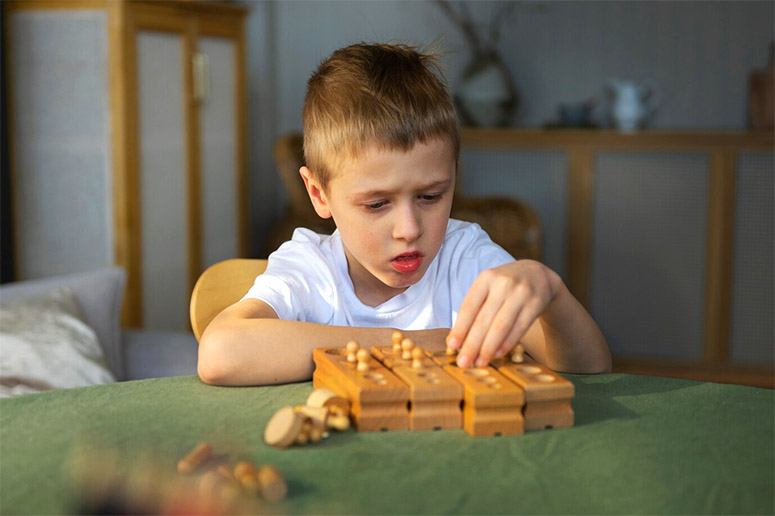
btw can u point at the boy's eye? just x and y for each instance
(430, 197)
(375, 205)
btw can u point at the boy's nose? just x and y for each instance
(407, 225)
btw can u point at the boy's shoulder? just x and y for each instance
(460, 232)
(467, 240)
(307, 251)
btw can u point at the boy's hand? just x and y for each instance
(498, 309)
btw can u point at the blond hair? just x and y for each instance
(381, 95)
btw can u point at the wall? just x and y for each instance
(700, 53)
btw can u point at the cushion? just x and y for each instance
(46, 345)
(98, 294)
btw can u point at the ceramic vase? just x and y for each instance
(486, 96)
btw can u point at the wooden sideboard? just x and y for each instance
(581, 150)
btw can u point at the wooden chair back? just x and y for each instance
(219, 286)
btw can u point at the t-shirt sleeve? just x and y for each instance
(470, 252)
(297, 282)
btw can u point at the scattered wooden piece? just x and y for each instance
(283, 428)
(272, 485)
(201, 452)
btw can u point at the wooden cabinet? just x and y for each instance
(665, 236)
(127, 132)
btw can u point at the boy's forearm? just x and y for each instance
(271, 351)
(572, 340)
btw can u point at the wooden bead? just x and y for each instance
(340, 423)
(201, 452)
(328, 399)
(352, 348)
(518, 355)
(245, 473)
(407, 345)
(272, 485)
(396, 340)
(417, 357)
(363, 360)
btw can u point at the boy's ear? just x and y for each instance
(316, 193)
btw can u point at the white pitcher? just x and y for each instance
(632, 103)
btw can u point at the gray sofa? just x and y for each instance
(130, 354)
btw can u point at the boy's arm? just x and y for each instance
(566, 338)
(246, 344)
(527, 302)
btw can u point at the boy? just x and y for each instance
(381, 146)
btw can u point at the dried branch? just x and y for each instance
(465, 22)
(501, 15)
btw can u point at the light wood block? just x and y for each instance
(379, 400)
(435, 397)
(547, 394)
(492, 405)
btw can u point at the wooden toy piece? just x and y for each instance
(518, 355)
(492, 405)
(283, 428)
(363, 361)
(547, 394)
(316, 415)
(328, 399)
(245, 473)
(352, 348)
(378, 400)
(434, 396)
(443, 358)
(417, 358)
(271, 484)
(397, 337)
(406, 349)
(201, 453)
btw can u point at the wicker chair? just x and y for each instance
(512, 224)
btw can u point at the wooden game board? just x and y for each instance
(430, 391)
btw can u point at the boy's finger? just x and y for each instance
(472, 344)
(469, 309)
(510, 342)
(498, 332)
(469, 349)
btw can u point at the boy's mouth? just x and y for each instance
(407, 262)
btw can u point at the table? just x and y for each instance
(640, 445)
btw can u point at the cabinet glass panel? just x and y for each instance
(62, 181)
(219, 153)
(535, 177)
(163, 183)
(648, 271)
(753, 334)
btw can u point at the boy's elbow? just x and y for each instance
(211, 366)
(603, 363)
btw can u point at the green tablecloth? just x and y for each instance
(640, 445)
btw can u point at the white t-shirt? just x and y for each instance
(307, 280)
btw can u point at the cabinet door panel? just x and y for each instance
(753, 334)
(62, 180)
(162, 164)
(218, 133)
(648, 273)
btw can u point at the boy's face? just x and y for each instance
(391, 208)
